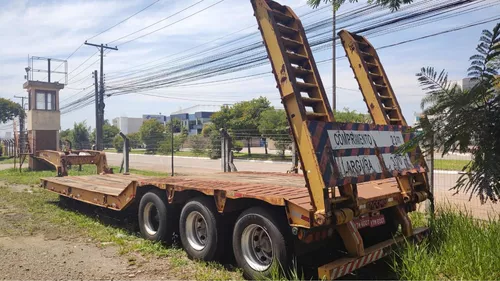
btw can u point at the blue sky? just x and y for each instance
(56, 28)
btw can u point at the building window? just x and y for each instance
(45, 101)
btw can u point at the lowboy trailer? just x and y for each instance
(349, 205)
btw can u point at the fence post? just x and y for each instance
(224, 151)
(125, 159)
(295, 160)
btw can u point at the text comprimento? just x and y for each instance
(351, 139)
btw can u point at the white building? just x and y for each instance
(128, 125)
(465, 83)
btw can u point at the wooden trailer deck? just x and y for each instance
(116, 191)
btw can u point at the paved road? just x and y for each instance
(189, 165)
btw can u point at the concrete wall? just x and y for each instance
(43, 120)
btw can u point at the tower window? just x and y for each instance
(45, 100)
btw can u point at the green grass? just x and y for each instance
(452, 165)
(37, 212)
(459, 248)
(33, 177)
(6, 160)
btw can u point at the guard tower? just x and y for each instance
(43, 118)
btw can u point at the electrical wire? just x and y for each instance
(155, 23)
(124, 20)
(255, 60)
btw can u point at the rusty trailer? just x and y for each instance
(283, 197)
(353, 195)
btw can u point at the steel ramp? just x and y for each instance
(372, 80)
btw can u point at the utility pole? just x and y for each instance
(101, 105)
(98, 126)
(21, 126)
(334, 61)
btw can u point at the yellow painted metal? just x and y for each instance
(298, 216)
(352, 239)
(372, 80)
(301, 89)
(383, 107)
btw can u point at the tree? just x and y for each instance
(80, 136)
(199, 144)
(165, 146)
(242, 119)
(135, 140)
(466, 120)
(392, 4)
(152, 132)
(176, 123)
(348, 116)
(118, 143)
(9, 110)
(274, 125)
(214, 144)
(108, 134)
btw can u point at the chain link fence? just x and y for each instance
(447, 170)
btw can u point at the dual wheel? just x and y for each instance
(258, 241)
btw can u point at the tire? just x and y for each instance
(200, 233)
(259, 225)
(155, 221)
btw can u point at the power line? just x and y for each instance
(244, 65)
(211, 41)
(156, 30)
(256, 47)
(124, 20)
(155, 23)
(113, 26)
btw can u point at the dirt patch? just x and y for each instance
(6, 166)
(41, 239)
(39, 258)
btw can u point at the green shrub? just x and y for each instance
(118, 143)
(165, 146)
(199, 144)
(237, 146)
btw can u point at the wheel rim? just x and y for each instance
(151, 218)
(196, 231)
(257, 247)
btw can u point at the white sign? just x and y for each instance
(360, 165)
(354, 166)
(396, 162)
(349, 139)
(387, 138)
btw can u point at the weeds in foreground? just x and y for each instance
(460, 247)
(279, 273)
